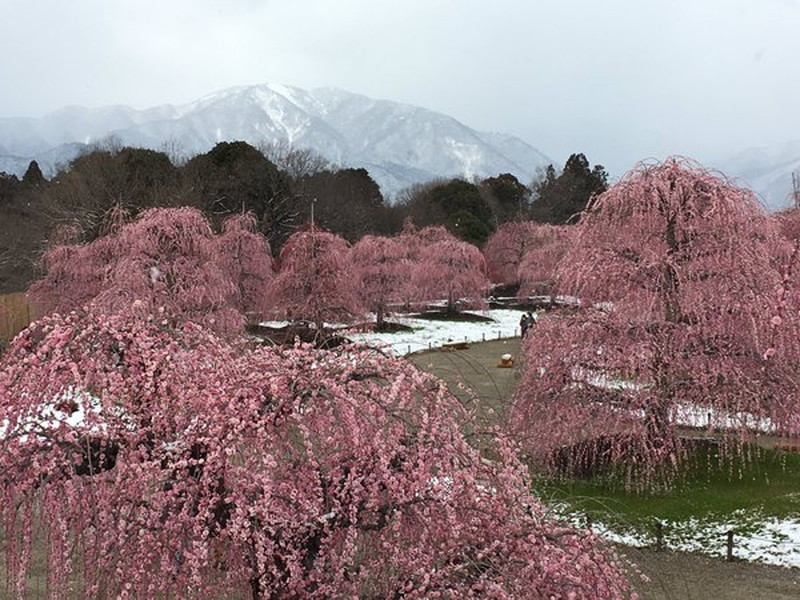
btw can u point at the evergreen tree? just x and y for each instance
(346, 202)
(33, 176)
(508, 198)
(457, 204)
(559, 199)
(9, 186)
(234, 177)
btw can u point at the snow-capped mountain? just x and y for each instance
(398, 144)
(768, 171)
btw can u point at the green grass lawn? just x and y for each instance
(768, 485)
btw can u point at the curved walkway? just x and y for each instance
(476, 367)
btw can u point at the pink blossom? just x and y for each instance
(315, 280)
(203, 468)
(165, 263)
(680, 267)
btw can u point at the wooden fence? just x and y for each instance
(15, 315)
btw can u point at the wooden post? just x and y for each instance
(729, 549)
(659, 536)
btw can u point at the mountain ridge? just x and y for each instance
(399, 144)
(767, 170)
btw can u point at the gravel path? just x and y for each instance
(672, 575)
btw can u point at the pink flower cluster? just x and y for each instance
(678, 269)
(167, 462)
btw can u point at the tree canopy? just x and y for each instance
(164, 462)
(165, 265)
(508, 245)
(508, 198)
(678, 326)
(315, 280)
(94, 183)
(560, 198)
(244, 256)
(233, 178)
(451, 269)
(346, 202)
(383, 271)
(456, 204)
(33, 174)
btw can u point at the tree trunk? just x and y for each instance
(657, 412)
(451, 304)
(255, 589)
(379, 318)
(657, 422)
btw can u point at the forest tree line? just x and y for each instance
(281, 186)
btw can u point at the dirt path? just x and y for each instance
(672, 575)
(476, 367)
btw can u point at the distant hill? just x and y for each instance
(768, 171)
(398, 144)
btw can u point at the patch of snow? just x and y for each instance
(87, 415)
(692, 415)
(470, 156)
(756, 538)
(427, 334)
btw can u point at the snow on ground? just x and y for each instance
(756, 538)
(427, 334)
(85, 415)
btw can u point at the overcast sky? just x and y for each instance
(620, 80)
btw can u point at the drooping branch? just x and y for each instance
(284, 472)
(675, 268)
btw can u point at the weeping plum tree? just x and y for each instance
(789, 223)
(71, 279)
(167, 266)
(73, 273)
(453, 270)
(787, 251)
(537, 269)
(163, 462)
(245, 257)
(676, 263)
(504, 250)
(786, 321)
(315, 280)
(512, 242)
(416, 240)
(383, 271)
(163, 265)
